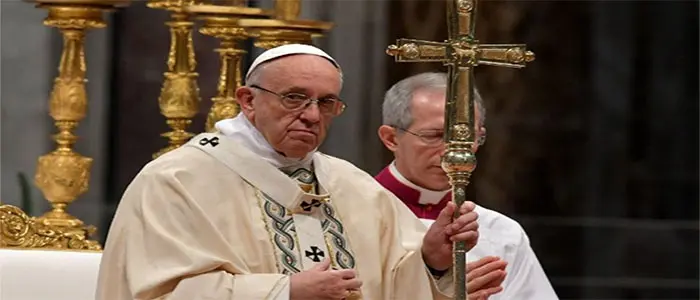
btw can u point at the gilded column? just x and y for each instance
(224, 103)
(179, 98)
(221, 22)
(286, 27)
(63, 175)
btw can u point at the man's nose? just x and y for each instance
(311, 113)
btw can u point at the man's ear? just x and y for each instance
(244, 97)
(388, 136)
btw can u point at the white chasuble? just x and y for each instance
(213, 220)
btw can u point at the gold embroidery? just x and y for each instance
(288, 259)
(280, 227)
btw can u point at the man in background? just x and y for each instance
(413, 121)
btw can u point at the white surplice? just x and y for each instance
(499, 236)
(213, 220)
(503, 237)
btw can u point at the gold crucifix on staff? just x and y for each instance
(460, 53)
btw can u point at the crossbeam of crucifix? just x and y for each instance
(460, 53)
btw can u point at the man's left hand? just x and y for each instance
(485, 276)
(437, 243)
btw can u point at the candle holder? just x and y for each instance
(221, 22)
(63, 174)
(285, 28)
(179, 97)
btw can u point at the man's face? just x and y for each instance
(419, 149)
(419, 158)
(293, 132)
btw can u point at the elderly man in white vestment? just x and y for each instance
(413, 112)
(254, 211)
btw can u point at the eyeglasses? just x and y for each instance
(434, 137)
(429, 137)
(296, 101)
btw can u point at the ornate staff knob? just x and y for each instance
(529, 56)
(393, 50)
(410, 51)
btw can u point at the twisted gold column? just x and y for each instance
(179, 96)
(221, 22)
(285, 28)
(63, 175)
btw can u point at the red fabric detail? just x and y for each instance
(410, 196)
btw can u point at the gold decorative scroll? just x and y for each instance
(460, 53)
(18, 230)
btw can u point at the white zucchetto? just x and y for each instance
(285, 50)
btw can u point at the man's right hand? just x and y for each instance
(484, 277)
(320, 283)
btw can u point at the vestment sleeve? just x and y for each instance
(528, 280)
(164, 245)
(404, 266)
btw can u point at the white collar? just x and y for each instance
(243, 131)
(426, 196)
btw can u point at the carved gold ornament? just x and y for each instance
(18, 230)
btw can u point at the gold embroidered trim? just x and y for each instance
(288, 260)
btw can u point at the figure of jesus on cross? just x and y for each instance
(460, 53)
